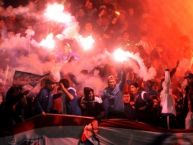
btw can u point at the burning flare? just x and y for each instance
(48, 42)
(55, 12)
(86, 42)
(120, 55)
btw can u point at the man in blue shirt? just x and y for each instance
(112, 97)
(45, 97)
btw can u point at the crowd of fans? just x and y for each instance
(157, 102)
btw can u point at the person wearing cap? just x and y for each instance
(188, 102)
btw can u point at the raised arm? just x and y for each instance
(123, 79)
(173, 71)
(68, 94)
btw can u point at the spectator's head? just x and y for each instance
(91, 129)
(65, 82)
(80, 13)
(95, 126)
(189, 77)
(134, 87)
(88, 5)
(156, 103)
(149, 85)
(88, 27)
(49, 83)
(88, 94)
(13, 94)
(111, 81)
(126, 98)
(102, 11)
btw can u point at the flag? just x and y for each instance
(59, 129)
(26, 78)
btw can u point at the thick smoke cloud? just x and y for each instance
(168, 26)
(20, 47)
(164, 25)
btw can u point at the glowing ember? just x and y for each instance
(48, 42)
(86, 42)
(117, 13)
(56, 13)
